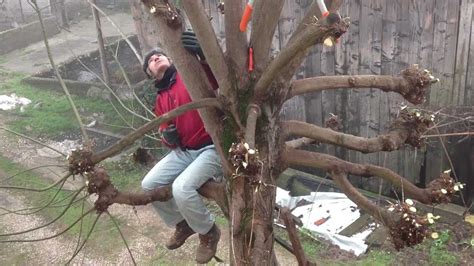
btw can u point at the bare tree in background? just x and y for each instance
(58, 8)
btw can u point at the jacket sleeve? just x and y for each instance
(162, 126)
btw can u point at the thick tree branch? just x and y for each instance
(393, 140)
(168, 25)
(235, 41)
(99, 182)
(265, 19)
(315, 33)
(340, 178)
(331, 163)
(152, 125)
(412, 83)
(253, 114)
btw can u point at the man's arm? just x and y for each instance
(191, 44)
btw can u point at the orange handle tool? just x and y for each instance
(246, 16)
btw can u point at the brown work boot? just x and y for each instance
(181, 233)
(208, 245)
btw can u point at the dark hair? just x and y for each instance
(147, 58)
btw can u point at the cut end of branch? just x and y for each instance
(420, 81)
(417, 122)
(333, 122)
(443, 188)
(411, 228)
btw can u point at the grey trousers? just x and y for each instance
(187, 171)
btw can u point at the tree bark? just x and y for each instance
(412, 83)
(265, 19)
(147, 35)
(235, 41)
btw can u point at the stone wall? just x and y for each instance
(23, 36)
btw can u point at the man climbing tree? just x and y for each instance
(192, 161)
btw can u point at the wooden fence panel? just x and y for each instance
(385, 37)
(462, 51)
(469, 94)
(290, 17)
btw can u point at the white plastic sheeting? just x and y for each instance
(12, 101)
(327, 214)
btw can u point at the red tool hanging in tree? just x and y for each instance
(246, 16)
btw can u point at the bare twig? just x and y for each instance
(81, 227)
(49, 237)
(56, 71)
(85, 239)
(49, 202)
(46, 224)
(29, 170)
(123, 238)
(111, 91)
(62, 179)
(32, 139)
(449, 134)
(153, 124)
(135, 51)
(446, 153)
(20, 211)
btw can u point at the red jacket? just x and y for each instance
(189, 125)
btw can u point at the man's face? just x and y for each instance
(157, 65)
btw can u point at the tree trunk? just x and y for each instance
(252, 241)
(147, 36)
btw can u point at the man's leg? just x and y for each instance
(164, 173)
(206, 165)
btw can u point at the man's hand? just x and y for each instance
(170, 136)
(191, 43)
